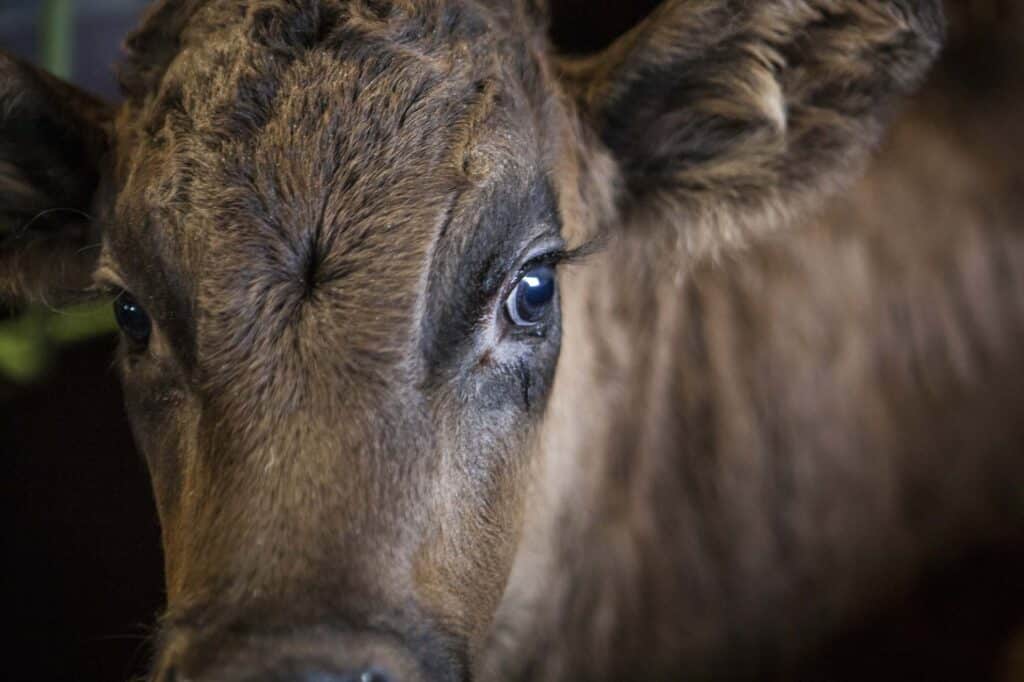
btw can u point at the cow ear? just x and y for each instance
(52, 137)
(737, 114)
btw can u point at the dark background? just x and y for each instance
(82, 584)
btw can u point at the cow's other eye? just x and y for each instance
(531, 298)
(133, 320)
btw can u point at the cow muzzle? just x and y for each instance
(300, 657)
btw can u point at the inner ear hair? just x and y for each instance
(740, 113)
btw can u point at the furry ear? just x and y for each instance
(153, 44)
(735, 114)
(52, 137)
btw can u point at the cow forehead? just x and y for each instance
(291, 173)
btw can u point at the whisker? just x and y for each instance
(24, 228)
(89, 247)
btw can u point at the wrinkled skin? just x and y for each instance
(364, 467)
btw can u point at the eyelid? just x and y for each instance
(554, 252)
(544, 250)
(552, 258)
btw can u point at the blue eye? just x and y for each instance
(531, 298)
(132, 319)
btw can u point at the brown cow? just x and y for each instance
(333, 229)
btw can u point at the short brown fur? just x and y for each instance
(776, 390)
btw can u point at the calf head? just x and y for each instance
(332, 230)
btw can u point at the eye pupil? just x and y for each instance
(132, 319)
(531, 299)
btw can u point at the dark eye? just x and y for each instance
(132, 319)
(531, 298)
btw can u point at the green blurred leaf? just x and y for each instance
(30, 342)
(81, 322)
(56, 25)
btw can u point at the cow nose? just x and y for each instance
(315, 675)
(314, 655)
(361, 676)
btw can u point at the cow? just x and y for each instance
(452, 356)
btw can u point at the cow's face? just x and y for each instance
(334, 243)
(332, 231)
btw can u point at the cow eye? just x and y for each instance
(132, 319)
(531, 298)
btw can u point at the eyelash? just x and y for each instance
(555, 258)
(552, 258)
